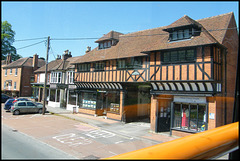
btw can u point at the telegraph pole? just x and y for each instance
(45, 82)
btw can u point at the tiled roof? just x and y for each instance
(25, 62)
(58, 64)
(138, 43)
(109, 36)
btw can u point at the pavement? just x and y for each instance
(140, 130)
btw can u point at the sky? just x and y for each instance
(90, 20)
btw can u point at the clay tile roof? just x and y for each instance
(183, 21)
(26, 62)
(58, 64)
(109, 36)
(141, 42)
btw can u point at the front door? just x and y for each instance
(101, 104)
(164, 115)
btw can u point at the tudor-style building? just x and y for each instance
(179, 77)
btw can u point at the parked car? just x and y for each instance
(5, 98)
(10, 102)
(26, 107)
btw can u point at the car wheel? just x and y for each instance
(17, 112)
(40, 111)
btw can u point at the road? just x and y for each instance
(76, 138)
(16, 145)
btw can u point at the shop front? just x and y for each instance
(100, 99)
(189, 115)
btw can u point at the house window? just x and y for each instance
(83, 67)
(180, 34)
(191, 117)
(69, 78)
(38, 78)
(16, 71)
(99, 66)
(59, 77)
(178, 56)
(135, 62)
(105, 44)
(121, 64)
(4, 85)
(11, 71)
(5, 72)
(56, 77)
(15, 85)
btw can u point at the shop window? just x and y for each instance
(113, 102)
(88, 100)
(52, 95)
(58, 95)
(72, 98)
(191, 117)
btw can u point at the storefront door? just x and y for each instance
(101, 104)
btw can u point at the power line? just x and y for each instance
(125, 35)
(31, 39)
(31, 45)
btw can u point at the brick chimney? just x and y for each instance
(35, 62)
(9, 58)
(66, 54)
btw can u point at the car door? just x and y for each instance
(31, 107)
(21, 106)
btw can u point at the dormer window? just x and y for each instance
(108, 40)
(105, 45)
(180, 34)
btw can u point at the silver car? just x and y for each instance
(26, 107)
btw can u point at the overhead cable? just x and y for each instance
(31, 45)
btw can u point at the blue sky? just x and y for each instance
(86, 19)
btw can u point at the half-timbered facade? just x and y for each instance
(174, 75)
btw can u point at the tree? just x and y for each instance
(7, 39)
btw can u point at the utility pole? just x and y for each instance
(45, 82)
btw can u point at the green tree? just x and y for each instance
(7, 39)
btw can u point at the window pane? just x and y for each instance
(22, 104)
(72, 98)
(174, 56)
(166, 57)
(190, 55)
(202, 117)
(180, 34)
(181, 55)
(186, 33)
(193, 117)
(174, 35)
(177, 116)
(185, 116)
(52, 95)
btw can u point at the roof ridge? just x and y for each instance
(141, 31)
(25, 61)
(215, 16)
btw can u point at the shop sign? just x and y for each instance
(211, 116)
(188, 99)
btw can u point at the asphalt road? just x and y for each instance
(16, 145)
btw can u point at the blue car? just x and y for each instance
(10, 102)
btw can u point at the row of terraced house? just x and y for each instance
(180, 77)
